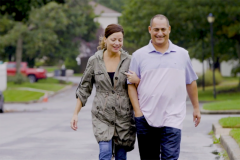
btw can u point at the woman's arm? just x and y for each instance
(83, 91)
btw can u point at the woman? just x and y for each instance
(112, 112)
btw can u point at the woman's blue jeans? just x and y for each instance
(106, 151)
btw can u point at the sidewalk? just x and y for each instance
(45, 127)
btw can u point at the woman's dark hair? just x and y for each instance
(111, 28)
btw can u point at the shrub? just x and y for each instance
(208, 78)
(17, 79)
(71, 63)
(236, 70)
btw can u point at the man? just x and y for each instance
(159, 101)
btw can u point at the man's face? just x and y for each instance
(159, 31)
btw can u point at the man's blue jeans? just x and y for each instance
(157, 143)
(106, 151)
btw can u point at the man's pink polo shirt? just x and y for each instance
(162, 89)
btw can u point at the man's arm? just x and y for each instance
(132, 92)
(193, 95)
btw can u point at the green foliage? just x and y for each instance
(236, 70)
(19, 10)
(17, 79)
(224, 155)
(39, 63)
(56, 26)
(211, 132)
(189, 25)
(52, 30)
(216, 140)
(208, 78)
(71, 63)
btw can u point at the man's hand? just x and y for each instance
(196, 117)
(193, 95)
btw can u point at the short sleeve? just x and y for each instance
(134, 67)
(189, 72)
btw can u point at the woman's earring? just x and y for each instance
(105, 46)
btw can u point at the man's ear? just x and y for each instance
(169, 29)
(149, 29)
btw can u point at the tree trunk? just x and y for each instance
(238, 53)
(19, 54)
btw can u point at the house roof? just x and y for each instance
(103, 11)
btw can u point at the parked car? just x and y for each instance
(32, 73)
(1, 102)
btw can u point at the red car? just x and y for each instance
(32, 73)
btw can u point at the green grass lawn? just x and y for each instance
(51, 68)
(43, 86)
(225, 105)
(49, 80)
(53, 81)
(77, 74)
(49, 84)
(230, 122)
(12, 95)
(227, 83)
(235, 133)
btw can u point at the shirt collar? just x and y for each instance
(152, 49)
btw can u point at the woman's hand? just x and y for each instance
(132, 77)
(74, 122)
(75, 115)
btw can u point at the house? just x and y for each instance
(105, 17)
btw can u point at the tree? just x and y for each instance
(53, 30)
(189, 24)
(19, 12)
(58, 28)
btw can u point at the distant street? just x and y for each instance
(41, 131)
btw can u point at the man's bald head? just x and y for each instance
(159, 16)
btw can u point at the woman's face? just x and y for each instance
(114, 42)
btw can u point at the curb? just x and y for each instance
(228, 143)
(41, 98)
(231, 146)
(62, 90)
(203, 111)
(218, 130)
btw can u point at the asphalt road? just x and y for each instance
(41, 131)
